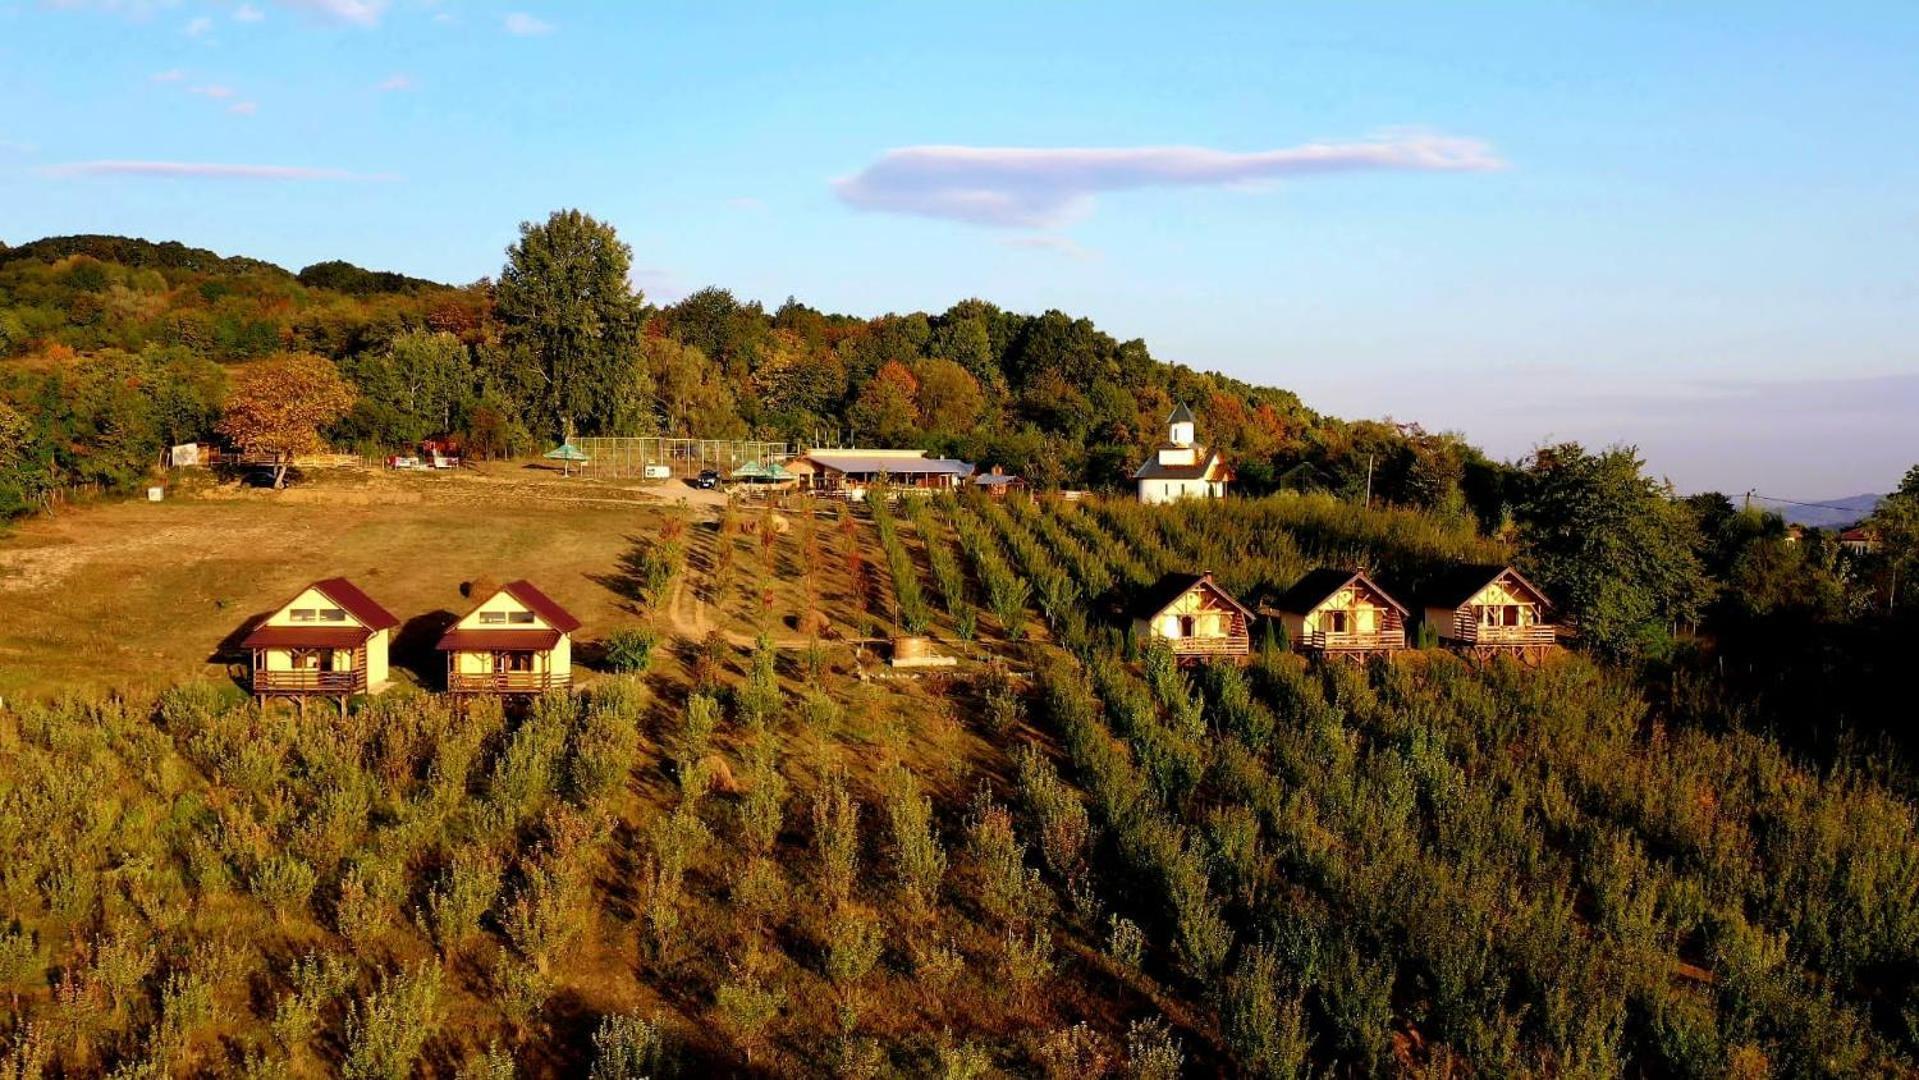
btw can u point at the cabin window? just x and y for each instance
(492, 618)
(1188, 626)
(332, 614)
(512, 661)
(303, 614)
(311, 659)
(520, 618)
(1336, 622)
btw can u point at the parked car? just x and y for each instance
(707, 480)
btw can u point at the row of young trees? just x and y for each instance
(1508, 860)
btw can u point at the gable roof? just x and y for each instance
(1318, 586)
(1461, 583)
(531, 598)
(267, 636)
(890, 462)
(1171, 587)
(1181, 415)
(357, 603)
(1153, 470)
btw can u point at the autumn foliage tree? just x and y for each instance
(279, 405)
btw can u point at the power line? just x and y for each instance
(1814, 505)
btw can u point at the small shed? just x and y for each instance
(1332, 611)
(1194, 616)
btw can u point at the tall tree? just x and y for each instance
(1612, 544)
(570, 325)
(279, 405)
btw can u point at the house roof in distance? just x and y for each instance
(1461, 583)
(890, 462)
(542, 605)
(1172, 586)
(1318, 586)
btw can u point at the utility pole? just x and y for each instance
(1369, 481)
(1749, 492)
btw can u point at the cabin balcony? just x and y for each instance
(309, 681)
(1229, 645)
(505, 682)
(1535, 636)
(1336, 641)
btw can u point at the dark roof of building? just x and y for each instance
(526, 639)
(1181, 415)
(1461, 583)
(1171, 587)
(1153, 470)
(542, 605)
(996, 479)
(880, 464)
(357, 603)
(306, 637)
(1316, 587)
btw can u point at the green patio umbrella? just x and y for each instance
(566, 454)
(764, 471)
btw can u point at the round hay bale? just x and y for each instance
(910, 647)
(779, 524)
(719, 775)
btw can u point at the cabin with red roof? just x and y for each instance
(1341, 613)
(1194, 617)
(516, 640)
(1489, 607)
(329, 641)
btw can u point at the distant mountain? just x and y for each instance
(132, 251)
(1830, 514)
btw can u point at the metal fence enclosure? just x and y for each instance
(620, 456)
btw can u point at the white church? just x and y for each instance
(1180, 468)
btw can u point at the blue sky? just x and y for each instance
(1693, 227)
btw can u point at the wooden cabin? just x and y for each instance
(1341, 612)
(1194, 616)
(1859, 540)
(329, 641)
(516, 640)
(1180, 468)
(1489, 607)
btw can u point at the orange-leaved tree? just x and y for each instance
(279, 405)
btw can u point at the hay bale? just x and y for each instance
(719, 775)
(779, 524)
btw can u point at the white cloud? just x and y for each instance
(203, 170)
(171, 75)
(247, 13)
(212, 90)
(520, 24)
(243, 108)
(199, 25)
(1017, 187)
(355, 12)
(395, 83)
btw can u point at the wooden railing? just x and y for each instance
(1231, 645)
(1534, 636)
(307, 681)
(505, 682)
(1335, 641)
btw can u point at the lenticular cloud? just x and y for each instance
(1035, 188)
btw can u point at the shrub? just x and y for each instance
(748, 1008)
(387, 1030)
(836, 838)
(919, 859)
(1151, 1051)
(1125, 942)
(461, 898)
(627, 1047)
(630, 650)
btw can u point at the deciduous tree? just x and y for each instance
(279, 405)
